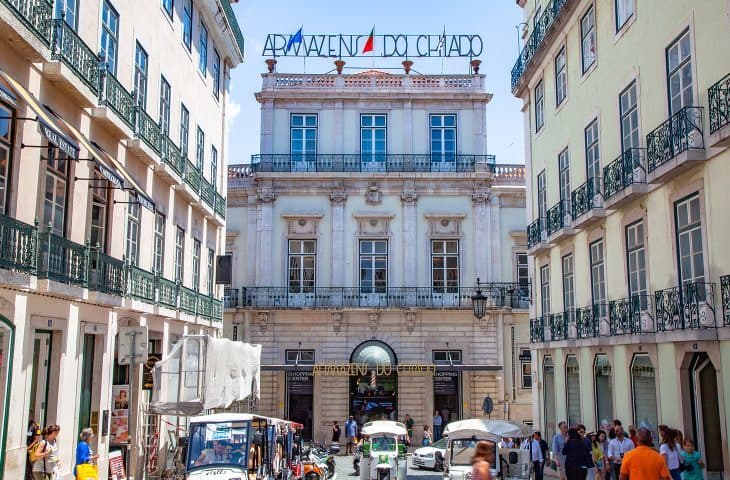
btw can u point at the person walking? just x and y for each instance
(480, 468)
(47, 464)
(643, 462)
(596, 455)
(692, 460)
(536, 456)
(602, 439)
(670, 451)
(544, 449)
(84, 455)
(558, 443)
(350, 434)
(576, 456)
(437, 423)
(591, 467)
(426, 437)
(409, 428)
(336, 432)
(617, 448)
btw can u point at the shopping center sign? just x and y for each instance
(354, 369)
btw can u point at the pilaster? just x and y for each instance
(265, 230)
(267, 126)
(410, 267)
(482, 237)
(337, 255)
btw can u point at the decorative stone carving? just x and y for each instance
(373, 196)
(480, 195)
(373, 319)
(265, 193)
(302, 224)
(263, 321)
(338, 196)
(337, 321)
(445, 224)
(373, 224)
(410, 321)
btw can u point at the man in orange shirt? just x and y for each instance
(643, 462)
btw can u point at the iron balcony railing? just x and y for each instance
(172, 156)
(719, 99)
(559, 326)
(537, 329)
(499, 295)
(587, 321)
(62, 260)
(69, 48)
(18, 245)
(148, 130)
(35, 15)
(370, 163)
(691, 306)
(558, 216)
(230, 297)
(113, 95)
(681, 132)
(725, 296)
(631, 315)
(207, 194)
(627, 169)
(106, 274)
(587, 197)
(535, 232)
(220, 205)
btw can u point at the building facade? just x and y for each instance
(357, 237)
(112, 208)
(626, 125)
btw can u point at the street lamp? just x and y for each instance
(479, 302)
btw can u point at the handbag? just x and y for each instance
(86, 471)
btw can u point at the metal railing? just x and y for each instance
(559, 326)
(627, 169)
(207, 194)
(148, 130)
(558, 216)
(167, 292)
(587, 197)
(691, 306)
(719, 99)
(142, 284)
(34, 14)
(536, 232)
(682, 131)
(220, 205)
(192, 176)
(62, 260)
(106, 274)
(68, 47)
(537, 330)
(631, 315)
(18, 245)
(587, 321)
(171, 156)
(370, 163)
(725, 299)
(113, 95)
(230, 297)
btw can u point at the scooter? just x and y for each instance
(320, 466)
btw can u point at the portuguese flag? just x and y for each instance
(369, 43)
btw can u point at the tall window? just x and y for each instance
(213, 166)
(99, 208)
(572, 390)
(598, 274)
(523, 273)
(109, 36)
(373, 265)
(636, 259)
(643, 391)
(184, 129)
(211, 271)
(588, 39)
(689, 240)
(629, 106)
(603, 380)
(179, 254)
(196, 264)
(443, 138)
(134, 212)
(561, 77)
(69, 11)
(140, 75)
(542, 199)
(593, 155)
(6, 137)
(216, 73)
(200, 149)
(373, 135)
(679, 73)
(168, 5)
(564, 179)
(54, 203)
(526, 368)
(445, 265)
(545, 289)
(187, 22)
(303, 134)
(539, 106)
(302, 265)
(624, 11)
(165, 99)
(158, 248)
(203, 50)
(568, 284)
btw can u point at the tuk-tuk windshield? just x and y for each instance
(383, 444)
(220, 443)
(462, 451)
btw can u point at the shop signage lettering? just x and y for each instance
(398, 45)
(359, 369)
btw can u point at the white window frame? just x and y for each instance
(679, 99)
(689, 231)
(525, 370)
(57, 174)
(539, 106)
(210, 283)
(306, 126)
(371, 258)
(184, 129)
(196, 264)
(545, 289)
(203, 50)
(623, 10)
(158, 245)
(561, 77)
(629, 117)
(179, 255)
(635, 256)
(438, 128)
(371, 126)
(134, 222)
(165, 105)
(109, 41)
(597, 258)
(446, 254)
(564, 180)
(522, 270)
(100, 202)
(187, 24)
(199, 148)
(591, 136)
(303, 252)
(141, 71)
(588, 39)
(568, 267)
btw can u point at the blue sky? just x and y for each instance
(493, 20)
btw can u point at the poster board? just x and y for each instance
(116, 466)
(120, 415)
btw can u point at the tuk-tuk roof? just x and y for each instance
(237, 417)
(481, 428)
(385, 427)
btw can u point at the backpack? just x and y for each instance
(32, 449)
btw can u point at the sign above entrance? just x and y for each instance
(352, 369)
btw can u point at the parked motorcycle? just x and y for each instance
(319, 464)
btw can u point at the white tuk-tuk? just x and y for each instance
(507, 463)
(383, 453)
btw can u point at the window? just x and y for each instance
(203, 50)
(568, 284)
(302, 265)
(561, 77)
(445, 265)
(536, 18)
(109, 36)
(539, 106)
(542, 200)
(373, 135)
(200, 149)
(213, 166)
(211, 271)
(443, 138)
(593, 159)
(169, 6)
(54, 203)
(624, 11)
(572, 390)
(134, 212)
(629, 107)
(545, 289)
(216, 73)
(140, 75)
(643, 391)
(196, 264)
(187, 22)
(548, 379)
(603, 381)
(184, 129)
(523, 274)
(68, 10)
(158, 248)
(294, 357)
(689, 240)
(99, 207)
(588, 39)
(446, 357)
(526, 368)
(679, 74)
(6, 143)
(303, 134)
(564, 180)
(179, 254)
(598, 274)
(165, 99)
(373, 266)
(636, 259)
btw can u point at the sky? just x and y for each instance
(494, 20)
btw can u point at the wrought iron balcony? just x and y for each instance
(587, 321)
(587, 197)
(681, 132)
(558, 217)
(113, 95)
(536, 233)
(500, 295)
(230, 297)
(537, 330)
(627, 170)
(62, 260)
(148, 130)
(106, 274)
(719, 99)
(35, 15)
(18, 245)
(725, 296)
(691, 306)
(631, 315)
(69, 48)
(220, 205)
(207, 194)
(559, 326)
(417, 163)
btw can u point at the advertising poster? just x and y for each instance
(116, 466)
(120, 414)
(147, 378)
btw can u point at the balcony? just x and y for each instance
(676, 145)
(500, 296)
(558, 327)
(537, 237)
(115, 98)
(632, 315)
(35, 16)
(725, 297)
(691, 306)
(537, 330)
(624, 179)
(375, 81)
(69, 51)
(719, 99)
(587, 203)
(559, 222)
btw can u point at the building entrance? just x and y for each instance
(374, 390)
(706, 422)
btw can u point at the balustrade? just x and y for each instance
(682, 131)
(691, 306)
(719, 99)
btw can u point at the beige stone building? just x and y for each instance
(112, 208)
(627, 131)
(357, 237)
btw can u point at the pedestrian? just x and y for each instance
(557, 448)
(669, 449)
(409, 428)
(480, 468)
(612, 431)
(632, 435)
(544, 449)
(692, 460)
(84, 455)
(591, 467)
(47, 464)
(336, 432)
(437, 423)
(350, 434)
(602, 439)
(617, 448)
(536, 456)
(30, 450)
(596, 455)
(576, 456)
(643, 462)
(426, 437)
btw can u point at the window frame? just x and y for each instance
(134, 225)
(373, 154)
(561, 78)
(210, 275)
(444, 155)
(522, 266)
(632, 111)
(592, 152)
(203, 36)
(632, 231)
(598, 266)
(199, 148)
(539, 92)
(290, 357)
(445, 287)
(568, 277)
(449, 357)
(106, 32)
(169, 7)
(372, 257)
(588, 33)
(165, 105)
(179, 267)
(214, 167)
(60, 10)
(158, 243)
(141, 75)
(58, 176)
(677, 70)
(564, 179)
(195, 264)
(216, 73)
(545, 306)
(184, 130)
(99, 193)
(302, 255)
(303, 154)
(8, 145)
(525, 374)
(698, 225)
(620, 24)
(187, 24)
(542, 198)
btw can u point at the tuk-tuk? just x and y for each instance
(507, 463)
(384, 451)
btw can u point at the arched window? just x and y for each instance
(603, 380)
(7, 335)
(643, 392)
(548, 382)
(572, 390)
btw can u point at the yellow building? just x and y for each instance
(628, 126)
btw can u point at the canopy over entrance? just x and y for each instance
(373, 353)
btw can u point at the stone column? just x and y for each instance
(408, 126)
(482, 235)
(410, 242)
(265, 235)
(337, 255)
(480, 129)
(267, 127)
(249, 273)
(495, 239)
(339, 123)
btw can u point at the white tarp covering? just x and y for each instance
(201, 373)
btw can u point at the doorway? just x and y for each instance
(374, 389)
(40, 376)
(87, 380)
(706, 422)
(300, 400)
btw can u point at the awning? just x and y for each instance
(142, 197)
(48, 124)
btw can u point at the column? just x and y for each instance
(249, 274)
(409, 240)
(267, 127)
(482, 237)
(265, 234)
(480, 129)
(338, 126)
(494, 271)
(337, 255)
(66, 409)
(408, 128)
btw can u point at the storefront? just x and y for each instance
(374, 385)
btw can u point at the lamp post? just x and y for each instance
(517, 27)
(479, 302)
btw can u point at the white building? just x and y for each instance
(111, 207)
(357, 237)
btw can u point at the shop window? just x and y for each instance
(643, 392)
(572, 390)
(441, 357)
(604, 393)
(301, 357)
(548, 392)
